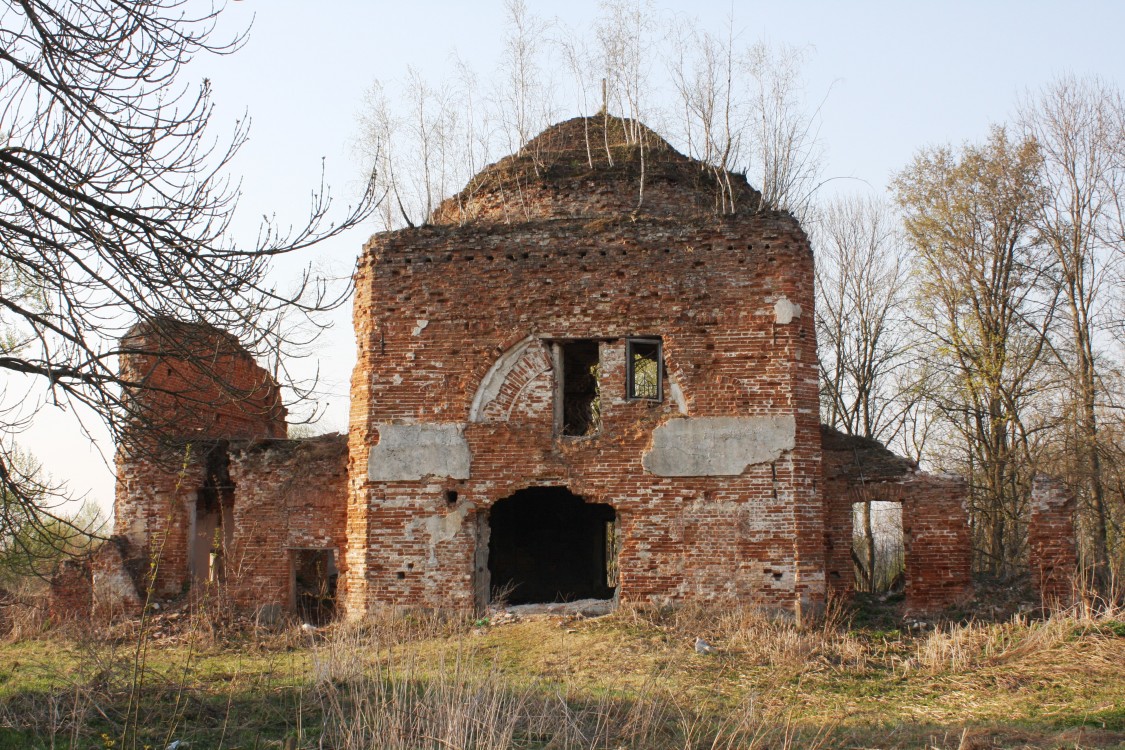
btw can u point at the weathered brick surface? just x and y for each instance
(288, 495)
(935, 523)
(70, 596)
(436, 308)
(195, 382)
(196, 388)
(155, 504)
(1051, 551)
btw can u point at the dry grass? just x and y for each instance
(629, 680)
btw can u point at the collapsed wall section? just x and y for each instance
(1052, 553)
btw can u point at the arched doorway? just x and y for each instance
(548, 545)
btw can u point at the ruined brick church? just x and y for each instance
(592, 375)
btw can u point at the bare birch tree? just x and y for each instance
(786, 154)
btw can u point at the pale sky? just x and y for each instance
(894, 77)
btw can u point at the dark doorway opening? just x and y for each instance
(314, 585)
(547, 545)
(213, 523)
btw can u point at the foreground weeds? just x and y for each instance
(628, 680)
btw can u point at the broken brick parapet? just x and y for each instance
(191, 381)
(1052, 552)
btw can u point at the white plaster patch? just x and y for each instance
(785, 311)
(678, 398)
(446, 527)
(407, 452)
(419, 326)
(440, 528)
(718, 446)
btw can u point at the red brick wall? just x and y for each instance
(1051, 552)
(155, 500)
(195, 388)
(195, 382)
(934, 523)
(707, 286)
(70, 596)
(288, 495)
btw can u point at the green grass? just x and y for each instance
(631, 679)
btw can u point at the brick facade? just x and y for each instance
(455, 326)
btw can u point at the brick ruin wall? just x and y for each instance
(288, 496)
(1051, 549)
(437, 310)
(208, 454)
(195, 387)
(936, 538)
(935, 522)
(454, 408)
(277, 496)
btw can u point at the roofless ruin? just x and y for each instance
(593, 374)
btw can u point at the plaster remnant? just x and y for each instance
(718, 446)
(785, 311)
(443, 528)
(419, 326)
(678, 398)
(407, 452)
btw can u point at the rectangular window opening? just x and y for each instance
(644, 376)
(578, 401)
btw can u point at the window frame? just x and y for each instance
(630, 370)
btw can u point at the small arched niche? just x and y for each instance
(547, 544)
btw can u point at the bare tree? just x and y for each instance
(624, 33)
(714, 117)
(1079, 126)
(786, 156)
(115, 203)
(985, 308)
(862, 333)
(523, 99)
(861, 316)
